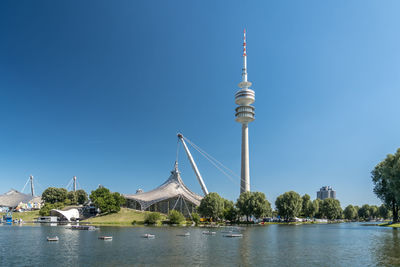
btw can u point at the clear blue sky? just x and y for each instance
(99, 89)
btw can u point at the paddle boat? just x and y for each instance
(148, 236)
(185, 234)
(208, 233)
(105, 237)
(55, 238)
(233, 235)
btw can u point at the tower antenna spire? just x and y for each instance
(244, 70)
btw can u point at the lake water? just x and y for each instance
(346, 244)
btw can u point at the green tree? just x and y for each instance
(230, 211)
(244, 204)
(196, 218)
(374, 211)
(289, 205)
(175, 217)
(315, 208)
(152, 217)
(384, 212)
(71, 196)
(364, 212)
(386, 179)
(357, 208)
(106, 201)
(350, 213)
(82, 196)
(53, 195)
(307, 209)
(330, 208)
(261, 206)
(211, 206)
(253, 204)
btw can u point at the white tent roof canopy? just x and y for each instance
(172, 188)
(65, 214)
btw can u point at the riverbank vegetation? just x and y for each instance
(386, 179)
(102, 198)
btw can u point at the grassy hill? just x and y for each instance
(26, 216)
(123, 217)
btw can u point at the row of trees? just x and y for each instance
(291, 205)
(216, 208)
(288, 206)
(102, 198)
(366, 212)
(386, 179)
(58, 198)
(61, 195)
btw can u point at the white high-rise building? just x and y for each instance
(244, 115)
(326, 192)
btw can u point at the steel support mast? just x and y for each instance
(194, 166)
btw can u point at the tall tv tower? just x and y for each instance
(244, 115)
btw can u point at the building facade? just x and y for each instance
(326, 192)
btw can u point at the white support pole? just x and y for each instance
(74, 184)
(32, 187)
(194, 166)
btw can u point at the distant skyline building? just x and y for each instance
(326, 192)
(244, 115)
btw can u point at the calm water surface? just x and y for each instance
(346, 244)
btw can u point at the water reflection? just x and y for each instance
(243, 249)
(387, 250)
(272, 245)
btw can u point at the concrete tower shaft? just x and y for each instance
(32, 186)
(245, 113)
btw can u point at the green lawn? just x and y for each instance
(395, 225)
(26, 216)
(123, 217)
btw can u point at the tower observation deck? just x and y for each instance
(244, 115)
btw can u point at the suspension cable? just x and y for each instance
(25, 185)
(214, 159)
(69, 184)
(215, 162)
(177, 151)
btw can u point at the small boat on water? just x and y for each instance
(82, 227)
(55, 238)
(105, 237)
(185, 234)
(208, 233)
(234, 235)
(148, 236)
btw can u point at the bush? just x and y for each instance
(196, 218)
(152, 217)
(175, 217)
